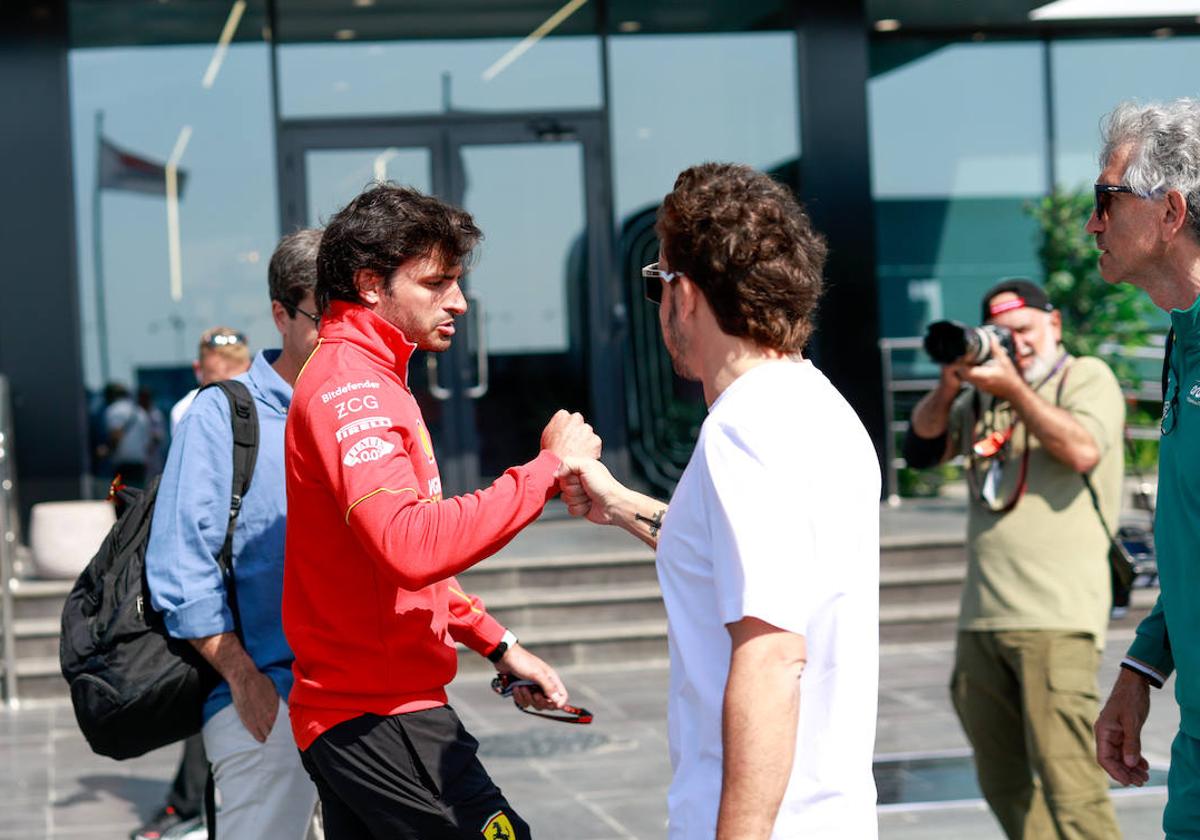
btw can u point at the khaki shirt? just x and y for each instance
(1043, 565)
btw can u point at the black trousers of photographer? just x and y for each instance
(414, 776)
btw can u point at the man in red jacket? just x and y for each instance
(370, 604)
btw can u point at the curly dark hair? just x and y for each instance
(381, 229)
(746, 242)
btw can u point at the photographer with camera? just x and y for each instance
(1030, 421)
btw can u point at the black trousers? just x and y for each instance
(407, 777)
(187, 791)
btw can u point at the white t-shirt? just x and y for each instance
(180, 408)
(777, 517)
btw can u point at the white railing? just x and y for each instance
(1148, 391)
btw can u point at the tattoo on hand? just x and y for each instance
(655, 521)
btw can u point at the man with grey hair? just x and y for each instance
(265, 792)
(1147, 227)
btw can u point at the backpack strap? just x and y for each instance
(244, 420)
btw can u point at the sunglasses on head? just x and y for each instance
(655, 278)
(1104, 197)
(224, 339)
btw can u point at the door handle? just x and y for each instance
(481, 354)
(431, 374)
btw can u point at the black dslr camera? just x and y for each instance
(948, 342)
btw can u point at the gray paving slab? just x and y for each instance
(604, 782)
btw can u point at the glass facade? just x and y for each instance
(151, 102)
(560, 126)
(951, 171)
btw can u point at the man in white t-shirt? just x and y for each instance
(769, 554)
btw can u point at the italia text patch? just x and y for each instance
(368, 449)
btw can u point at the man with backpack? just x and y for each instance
(236, 624)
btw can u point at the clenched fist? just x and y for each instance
(569, 436)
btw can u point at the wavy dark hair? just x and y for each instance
(383, 228)
(748, 245)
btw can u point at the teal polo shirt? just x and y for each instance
(1168, 639)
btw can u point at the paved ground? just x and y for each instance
(602, 782)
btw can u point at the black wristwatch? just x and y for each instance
(506, 641)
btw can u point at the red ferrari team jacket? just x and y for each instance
(371, 608)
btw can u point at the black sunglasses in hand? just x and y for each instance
(503, 684)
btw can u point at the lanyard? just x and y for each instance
(992, 445)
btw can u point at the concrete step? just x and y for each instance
(937, 620)
(509, 572)
(39, 598)
(36, 638)
(40, 679)
(897, 552)
(580, 605)
(607, 642)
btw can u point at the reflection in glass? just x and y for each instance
(528, 199)
(951, 172)
(434, 77)
(228, 222)
(1091, 77)
(530, 279)
(934, 134)
(678, 100)
(335, 176)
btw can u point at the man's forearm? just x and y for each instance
(758, 733)
(1059, 432)
(225, 653)
(639, 514)
(931, 416)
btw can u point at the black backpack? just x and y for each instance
(134, 688)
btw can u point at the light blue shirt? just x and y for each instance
(190, 518)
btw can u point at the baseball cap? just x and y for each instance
(1029, 294)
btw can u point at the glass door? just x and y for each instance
(541, 331)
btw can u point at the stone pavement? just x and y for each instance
(603, 782)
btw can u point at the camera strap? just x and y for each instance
(992, 445)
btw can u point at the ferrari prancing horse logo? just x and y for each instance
(498, 827)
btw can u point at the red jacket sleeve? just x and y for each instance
(377, 460)
(470, 623)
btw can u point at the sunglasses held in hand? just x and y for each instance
(503, 684)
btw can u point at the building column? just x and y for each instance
(835, 184)
(39, 316)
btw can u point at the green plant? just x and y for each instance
(1094, 313)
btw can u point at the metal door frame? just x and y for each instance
(444, 135)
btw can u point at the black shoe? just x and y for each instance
(163, 821)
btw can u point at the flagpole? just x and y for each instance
(97, 256)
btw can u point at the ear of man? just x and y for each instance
(369, 285)
(690, 296)
(1174, 215)
(280, 314)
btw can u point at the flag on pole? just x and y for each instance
(123, 170)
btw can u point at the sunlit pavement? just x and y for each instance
(607, 780)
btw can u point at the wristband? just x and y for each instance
(1142, 671)
(506, 641)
